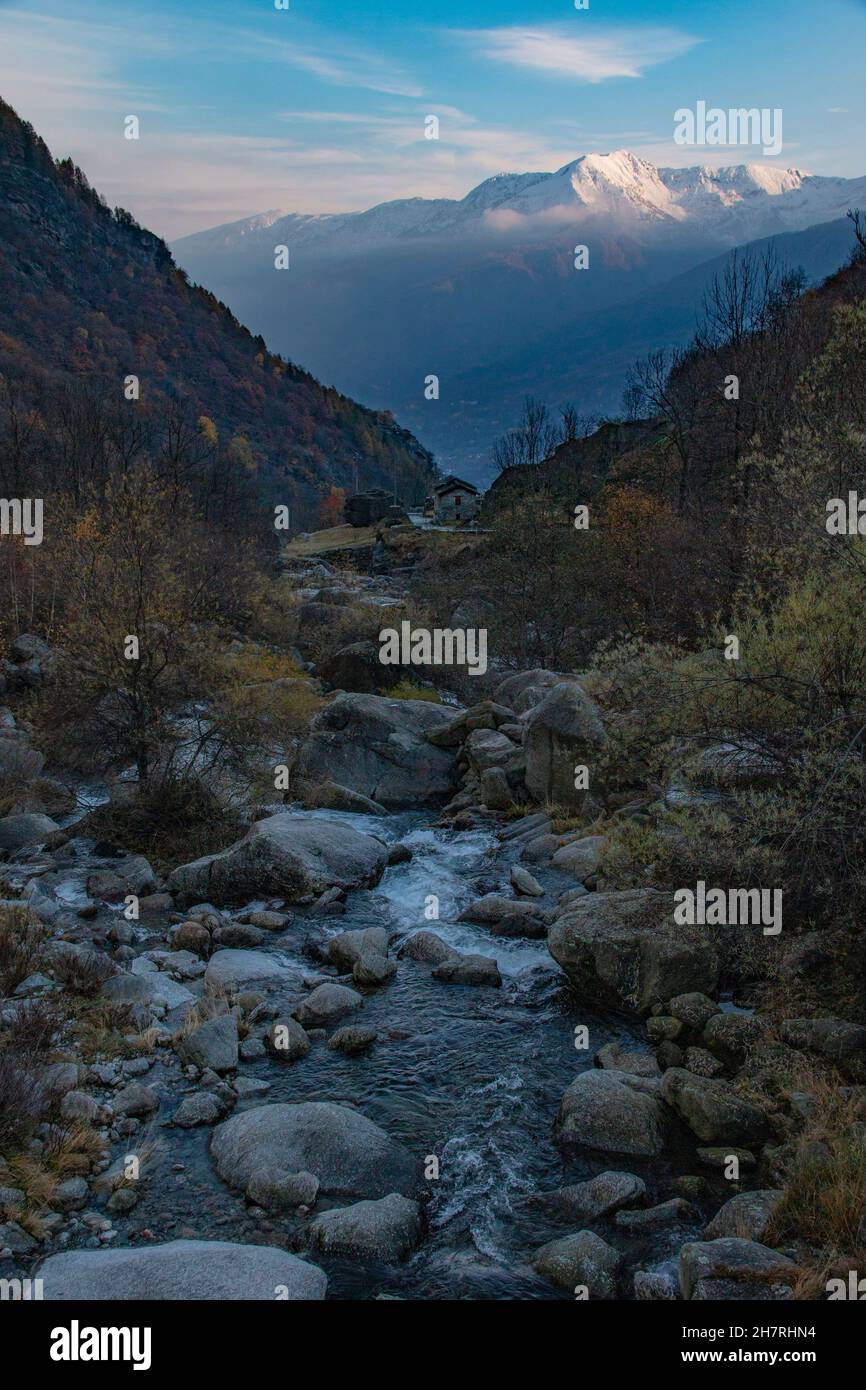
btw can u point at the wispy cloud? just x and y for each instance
(342, 64)
(590, 57)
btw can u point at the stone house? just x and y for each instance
(455, 500)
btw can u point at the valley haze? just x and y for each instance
(491, 277)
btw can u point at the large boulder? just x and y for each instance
(155, 990)
(462, 968)
(350, 946)
(357, 668)
(181, 1270)
(747, 1215)
(625, 949)
(132, 874)
(19, 763)
(580, 858)
(613, 1112)
(712, 1110)
(487, 748)
(525, 689)
(33, 663)
(330, 796)
(602, 1195)
(506, 916)
(582, 1260)
(485, 715)
(285, 856)
(732, 1036)
(364, 953)
(232, 969)
(28, 829)
(327, 1004)
(731, 1268)
(378, 747)
(349, 1154)
(564, 730)
(830, 1036)
(386, 1230)
(213, 1045)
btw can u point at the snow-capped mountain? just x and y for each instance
(738, 203)
(482, 289)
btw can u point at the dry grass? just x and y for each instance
(823, 1205)
(69, 1152)
(100, 1028)
(407, 690)
(564, 819)
(82, 975)
(146, 1145)
(22, 938)
(21, 1103)
(333, 538)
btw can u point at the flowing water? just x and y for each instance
(471, 1076)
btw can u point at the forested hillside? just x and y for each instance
(88, 298)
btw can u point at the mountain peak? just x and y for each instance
(724, 205)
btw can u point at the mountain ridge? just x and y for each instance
(728, 200)
(89, 296)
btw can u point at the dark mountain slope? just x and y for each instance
(587, 361)
(86, 293)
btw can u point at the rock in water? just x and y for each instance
(613, 1112)
(524, 882)
(378, 747)
(462, 969)
(182, 1270)
(583, 1259)
(349, 1154)
(625, 949)
(387, 1230)
(283, 856)
(731, 1268)
(326, 1004)
(599, 1196)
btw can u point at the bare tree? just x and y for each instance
(574, 424)
(531, 441)
(858, 255)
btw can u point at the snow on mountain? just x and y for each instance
(725, 205)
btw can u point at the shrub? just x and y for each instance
(21, 942)
(83, 974)
(170, 822)
(20, 1099)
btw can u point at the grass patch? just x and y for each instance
(22, 938)
(332, 538)
(823, 1204)
(407, 690)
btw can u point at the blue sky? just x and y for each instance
(321, 108)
